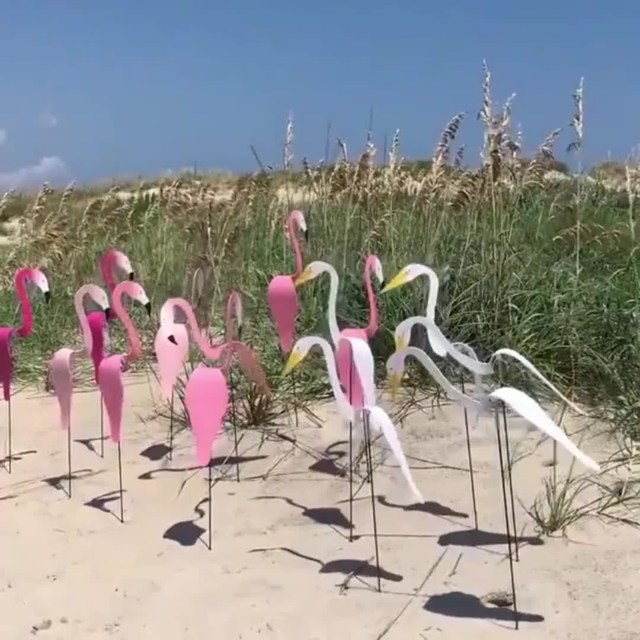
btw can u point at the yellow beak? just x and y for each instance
(395, 382)
(401, 342)
(295, 358)
(397, 281)
(305, 276)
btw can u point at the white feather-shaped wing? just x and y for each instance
(364, 364)
(380, 421)
(526, 407)
(529, 366)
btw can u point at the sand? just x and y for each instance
(281, 566)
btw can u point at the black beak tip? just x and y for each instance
(172, 339)
(107, 313)
(240, 332)
(47, 296)
(148, 308)
(132, 276)
(306, 235)
(382, 283)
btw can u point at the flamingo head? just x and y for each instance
(312, 271)
(39, 280)
(395, 372)
(402, 335)
(135, 291)
(406, 275)
(123, 263)
(374, 265)
(299, 352)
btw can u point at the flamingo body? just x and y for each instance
(206, 397)
(112, 390)
(62, 381)
(171, 356)
(347, 370)
(97, 326)
(6, 361)
(283, 305)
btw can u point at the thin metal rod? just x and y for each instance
(367, 438)
(9, 437)
(234, 421)
(510, 479)
(350, 455)
(210, 483)
(101, 427)
(294, 388)
(69, 455)
(506, 519)
(170, 452)
(120, 483)
(470, 458)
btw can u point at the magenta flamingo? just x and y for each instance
(60, 365)
(281, 292)
(112, 367)
(23, 277)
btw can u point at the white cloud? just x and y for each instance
(3, 136)
(47, 120)
(48, 169)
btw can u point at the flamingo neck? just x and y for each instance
(432, 296)
(107, 267)
(292, 227)
(372, 328)
(231, 319)
(133, 339)
(26, 329)
(345, 408)
(209, 351)
(78, 302)
(332, 318)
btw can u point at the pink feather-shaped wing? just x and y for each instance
(350, 380)
(97, 324)
(283, 305)
(61, 378)
(171, 357)
(6, 361)
(206, 397)
(112, 389)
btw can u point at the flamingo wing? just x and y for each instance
(382, 422)
(531, 411)
(6, 361)
(283, 305)
(112, 389)
(250, 365)
(171, 356)
(206, 397)
(61, 378)
(347, 370)
(98, 329)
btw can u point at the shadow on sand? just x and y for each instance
(186, 533)
(330, 516)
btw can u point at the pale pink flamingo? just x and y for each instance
(281, 292)
(61, 363)
(112, 261)
(23, 277)
(112, 367)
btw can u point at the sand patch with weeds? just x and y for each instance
(282, 566)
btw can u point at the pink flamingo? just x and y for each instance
(23, 277)
(281, 292)
(60, 365)
(112, 367)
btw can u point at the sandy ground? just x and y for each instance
(281, 566)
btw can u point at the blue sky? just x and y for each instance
(133, 87)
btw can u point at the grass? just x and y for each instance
(547, 268)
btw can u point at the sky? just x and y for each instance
(126, 88)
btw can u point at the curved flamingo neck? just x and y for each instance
(26, 329)
(332, 318)
(133, 339)
(372, 328)
(332, 370)
(209, 351)
(107, 266)
(293, 228)
(78, 302)
(232, 328)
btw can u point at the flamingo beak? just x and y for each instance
(107, 313)
(172, 339)
(148, 308)
(295, 358)
(305, 276)
(397, 281)
(47, 296)
(306, 235)
(401, 342)
(132, 275)
(239, 332)
(395, 382)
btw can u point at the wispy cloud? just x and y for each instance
(52, 169)
(3, 136)
(48, 120)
